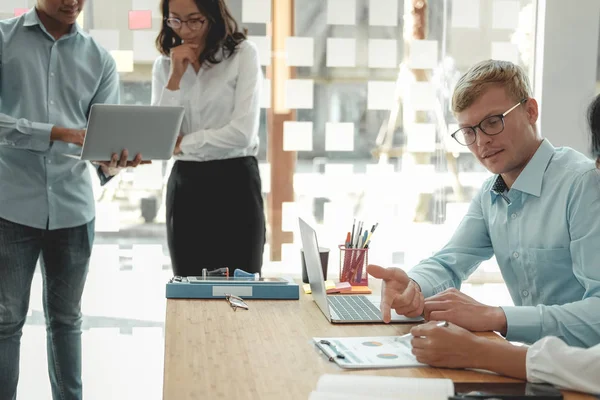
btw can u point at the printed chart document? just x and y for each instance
(364, 387)
(368, 352)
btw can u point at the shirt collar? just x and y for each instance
(32, 19)
(531, 178)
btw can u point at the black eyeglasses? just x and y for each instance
(236, 302)
(491, 126)
(194, 24)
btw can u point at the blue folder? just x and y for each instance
(246, 289)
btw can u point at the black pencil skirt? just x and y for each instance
(215, 216)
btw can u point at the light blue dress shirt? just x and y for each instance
(546, 242)
(46, 82)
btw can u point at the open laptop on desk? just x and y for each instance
(339, 309)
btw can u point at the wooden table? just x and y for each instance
(213, 352)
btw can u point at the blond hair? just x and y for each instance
(490, 73)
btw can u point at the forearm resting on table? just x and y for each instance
(500, 357)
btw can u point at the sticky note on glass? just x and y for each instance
(452, 146)
(420, 138)
(381, 95)
(339, 136)
(339, 169)
(105, 256)
(256, 11)
(423, 54)
(265, 94)
(299, 93)
(263, 45)
(380, 169)
(107, 38)
(20, 11)
(383, 12)
(152, 5)
(109, 218)
(299, 51)
(341, 12)
(124, 60)
(9, 6)
(264, 169)
(289, 216)
(341, 52)
(144, 48)
(336, 213)
(140, 19)
(505, 14)
(505, 51)
(81, 19)
(465, 13)
(147, 256)
(383, 53)
(422, 96)
(297, 136)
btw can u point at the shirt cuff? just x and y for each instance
(192, 141)
(40, 135)
(524, 324)
(170, 97)
(426, 287)
(539, 357)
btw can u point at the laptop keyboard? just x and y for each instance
(354, 308)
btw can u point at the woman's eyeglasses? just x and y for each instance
(193, 24)
(236, 302)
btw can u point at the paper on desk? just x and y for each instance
(369, 352)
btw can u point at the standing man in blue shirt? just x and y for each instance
(534, 216)
(51, 73)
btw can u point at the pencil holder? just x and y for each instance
(353, 266)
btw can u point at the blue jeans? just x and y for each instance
(65, 255)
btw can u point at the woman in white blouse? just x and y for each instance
(548, 360)
(215, 211)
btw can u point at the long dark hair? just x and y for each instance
(594, 122)
(223, 32)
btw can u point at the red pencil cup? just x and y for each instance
(353, 266)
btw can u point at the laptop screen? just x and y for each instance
(314, 270)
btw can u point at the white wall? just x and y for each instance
(565, 70)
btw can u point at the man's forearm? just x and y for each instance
(500, 357)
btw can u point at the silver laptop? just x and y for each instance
(339, 309)
(149, 130)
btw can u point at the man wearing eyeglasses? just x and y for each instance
(534, 215)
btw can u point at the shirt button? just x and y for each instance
(516, 255)
(49, 187)
(525, 293)
(52, 102)
(49, 161)
(514, 216)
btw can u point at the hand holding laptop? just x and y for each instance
(398, 291)
(115, 164)
(178, 145)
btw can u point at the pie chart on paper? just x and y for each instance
(387, 356)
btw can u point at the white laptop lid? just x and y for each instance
(314, 269)
(149, 130)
